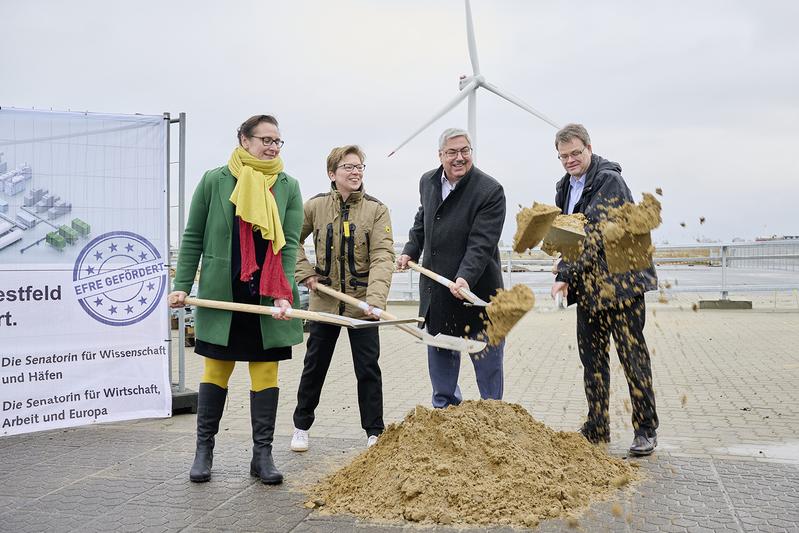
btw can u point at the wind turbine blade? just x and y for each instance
(519, 103)
(455, 101)
(473, 120)
(470, 39)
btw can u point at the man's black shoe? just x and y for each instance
(592, 437)
(643, 445)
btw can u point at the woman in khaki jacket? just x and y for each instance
(355, 255)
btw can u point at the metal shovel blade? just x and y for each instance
(473, 299)
(457, 344)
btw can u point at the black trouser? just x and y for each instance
(626, 324)
(365, 345)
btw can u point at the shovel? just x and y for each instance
(540, 222)
(447, 342)
(532, 224)
(327, 318)
(506, 309)
(472, 298)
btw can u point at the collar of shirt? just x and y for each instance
(577, 181)
(575, 193)
(446, 186)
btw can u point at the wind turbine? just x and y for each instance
(468, 86)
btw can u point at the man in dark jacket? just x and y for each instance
(458, 226)
(607, 303)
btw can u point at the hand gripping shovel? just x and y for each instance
(504, 311)
(327, 318)
(471, 298)
(448, 342)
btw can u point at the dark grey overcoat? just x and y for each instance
(459, 237)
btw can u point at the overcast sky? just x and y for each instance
(698, 98)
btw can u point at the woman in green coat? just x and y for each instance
(244, 223)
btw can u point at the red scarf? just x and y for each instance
(273, 279)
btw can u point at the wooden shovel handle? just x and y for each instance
(351, 300)
(262, 310)
(442, 280)
(416, 332)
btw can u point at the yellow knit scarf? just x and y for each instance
(254, 202)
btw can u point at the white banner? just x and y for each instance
(83, 248)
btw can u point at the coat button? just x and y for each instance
(434, 252)
(438, 217)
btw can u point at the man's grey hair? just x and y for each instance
(451, 133)
(572, 131)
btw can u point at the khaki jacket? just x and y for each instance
(354, 250)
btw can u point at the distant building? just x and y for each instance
(60, 208)
(55, 240)
(45, 203)
(81, 227)
(13, 182)
(33, 197)
(26, 220)
(25, 170)
(14, 185)
(777, 238)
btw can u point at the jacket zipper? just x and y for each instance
(345, 215)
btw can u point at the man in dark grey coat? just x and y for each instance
(607, 303)
(458, 226)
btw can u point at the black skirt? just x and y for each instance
(245, 342)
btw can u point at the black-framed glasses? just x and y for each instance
(269, 140)
(574, 153)
(349, 167)
(466, 151)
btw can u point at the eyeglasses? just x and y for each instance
(452, 154)
(575, 154)
(349, 167)
(269, 140)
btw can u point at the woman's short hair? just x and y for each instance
(339, 153)
(246, 128)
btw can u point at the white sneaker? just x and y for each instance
(371, 441)
(299, 441)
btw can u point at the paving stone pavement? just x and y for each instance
(727, 386)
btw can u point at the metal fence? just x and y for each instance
(702, 268)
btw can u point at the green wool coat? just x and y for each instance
(209, 234)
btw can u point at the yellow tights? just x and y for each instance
(263, 375)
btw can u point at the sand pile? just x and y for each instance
(532, 223)
(483, 462)
(507, 308)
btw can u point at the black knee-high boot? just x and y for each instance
(210, 404)
(263, 411)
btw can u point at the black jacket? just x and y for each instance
(459, 237)
(588, 277)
